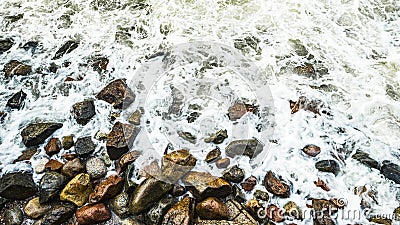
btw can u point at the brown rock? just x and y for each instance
(107, 189)
(53, 146)
(205, 185)
(320, 183)
(121, 139)
(275, 213)
(223, 163)
(151, 170)
(17, 68)
(53, 165)
(178, 190)
(322, 209)
(69, 156)
(126, 160)
(26, 155)
(306, 104)
(117, 93)
(312, 150)
(249, 183)
(181, 213)
(292, 210)
(135, 117)
(262, 195)
(68, 142)
(73, 168)
(176, 164)
(213, 155)
(92, 214)
(276, 186)
(237, 110)
(100, 64)
(212, 209)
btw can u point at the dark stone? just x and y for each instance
(36, 133)
(218, 137)
(276, 186)
(121, 139)
(2, 116)
(49, 186)
(58, 214)
(187, 136)
(17, 68)
(176, 164)
(5, 45)
(213, 155)
(126, 160)
(146, 194)
(13, 216)
(30, 45)
(365, 159)
(100, 64)
(26, 155)
(53, 146)
(84, 111)
(17, 186)
(130, 186)
(250, 148)
(68, 142)
(181, 213)
(120, 205)
(329, 166)
(156, 213)
(391, 171)
(203, 185)
(117, 93)
(178, 190)
(262, 195)
(312, 150)
(322, 209)
(17, 100)
(68, 47)
(234, 174)
(84, 146)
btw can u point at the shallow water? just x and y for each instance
(357, 42)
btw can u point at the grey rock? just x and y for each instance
(13, 216)
(84, 146)
(391, 171)
(36, 133)
(50, 184)
(84, 111)
(250, 148)
(17, 186)
(121, 139)
(330, 166)
(365, 159)
(17, 100)
(96, 167)
(58, 214)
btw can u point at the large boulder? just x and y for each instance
(121, 139)
(36, 133)
(117, 93)
(17, 186)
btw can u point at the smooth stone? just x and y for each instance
(68, 142)
(329, 166)
(120, 205)
(276, 186)
(249, 183)
(34, 209)
(84, 146)
(53, 146)
(96, 167)
(37, 133)
(365, 159)
(73, 168)
(13, 216)
(17, 186)
(107, 189)
(182, 213)
(213, 155)
(176, 164)
(84, 111)
(117, 93)
(146, 194)
(391, 171)
(311, 150)
(92, 214)
(212, 208)
(121, 139)
(17, 100)
(77, 190)
(223, 163)
(249, 147)
(50, 184)
(234, 174)
(203, 185)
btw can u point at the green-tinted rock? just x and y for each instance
(17, 186)
(36, 133)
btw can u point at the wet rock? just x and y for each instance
(53, 165)
(146, 194)
(306, 69)
(73, 168)
(306, 104)
(250, 148)
(26, 155)
(53, 146)
(84, 111)
(50, 184)
(193, 117)
(68, 47)
(322, 209)
(238, 194)
(77, 190)
(178, 190)
(391, 171)
(107, 189)
(126, 160)
(150, 170)
(16, 68)
(13, 216)
(181, 213)
(320, 183)
(234, 174)
(31, 45)
(329, 166)
(276, 186)
(292, 210)
(69, 156)
(84, 146)
(262, 195)
(68, 142)
(117, 93)
(212, 209)
(213, 155)
(41, 165)
(218, 137)
(238, 215)
(156, 213)
(3, 115)
(5, 45)
(237, 110)
(223, 163)
(275, 214)
(120, 205)
(130, 186)
(34, 209)
(381, 220)
(298, 47)
(17, 186)
(36, 133)
(177, 101)
(187, 136)
(249, 183)
(311, 150)
(121, 139)
(57, 215)
(254, 207)
(135, 117)
(17, 100)
(365, 159)
(396, 213)
(96, 167)
(92, 214)
(100, 64)
(176, 164)
(203, 185)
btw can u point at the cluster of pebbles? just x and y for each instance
(79, 189)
